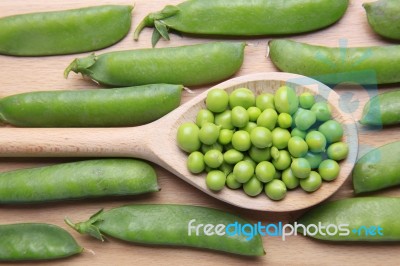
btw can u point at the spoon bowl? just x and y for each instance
(156, 142)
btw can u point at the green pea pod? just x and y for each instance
(373, 219)
(383, 17)
(64, 32)
(171, 225)
(378, 169)
(244, 18)
(90, 108)
(77, 180)
(188, 65)
(382, 110)
(35, 241)
(363, 65)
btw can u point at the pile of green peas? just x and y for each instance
(271, 142)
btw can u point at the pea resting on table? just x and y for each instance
(64, 32)
(35, 241)
(188, 65)
(287, 144)
(243, 18)
(90, 108)
(77, 180)
(170, 225)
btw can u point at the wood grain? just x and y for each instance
(46, 73)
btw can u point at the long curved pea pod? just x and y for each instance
(378, 169)
(77, 180)
(177, 225)
(35, 241)
(64, 32)
(129, 106)
(370, 219)
(244, 18)
(383, 17)
(382, 110)
(365, 65)
(187, 65)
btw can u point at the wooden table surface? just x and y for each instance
(19, 75)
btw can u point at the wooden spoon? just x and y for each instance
(156, 142)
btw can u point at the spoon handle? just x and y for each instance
(75, 142)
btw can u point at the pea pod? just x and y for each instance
(169, 225)
(238, 17)
(90, 108)
(383, 17)
(382, 110)
(364, 65)
(35, 241)
(76, 180)
(188, 65)
(378, 169)
(64, 32)
(372, 219)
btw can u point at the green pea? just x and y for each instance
(188, 137)
(224, 119)
(231, 182)
(286, 100)
(332, 130)
(195, 162)
(132, 67)
(275, 153)
(316, 141)
(284, 160)
(249, 127)
(254, 113)
(64, 32)
(280, 138)
(209, 133)
(306, 100)
(248, 159)
(301, 168)
(240, 117)
(225, 136)
(305, 119)
(241, 140)
(314, 159)
(243, 171)
(268, 119)
(312, 183)
(215, 180)
(119, 107)
(284, 120)
(338, 151)
(290, 180)
(261, 137)
(204, 116)
(77, 180)
(217, 100)
(276, 189)
(242, 97)
(253, 187)
(216, 146)
(168, 224)
(259, 155)
(35, 241)
(322, 111)
(265, 101)
(299, 133)
(233, 156)
(265, 171)
(213, 158)
(329, 170)
(226, 168)
(297, 147)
